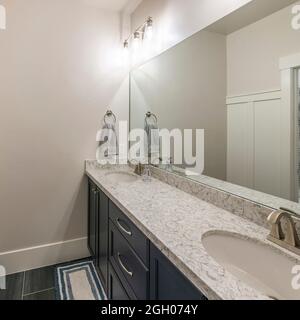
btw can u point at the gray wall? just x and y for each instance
(253, 53)
(57, 79)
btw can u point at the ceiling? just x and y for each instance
(248, 14)
(115, 5)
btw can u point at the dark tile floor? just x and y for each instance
(35, 284)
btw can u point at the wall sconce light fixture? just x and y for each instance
(144, 32)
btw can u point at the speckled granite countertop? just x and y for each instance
(175, 222)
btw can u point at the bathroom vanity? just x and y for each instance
(130, 267)
(211, 228)
(173, 238)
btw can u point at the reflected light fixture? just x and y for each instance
(126, 45)
(126, 52)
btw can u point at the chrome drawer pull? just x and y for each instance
(122, 228)
(123, 267)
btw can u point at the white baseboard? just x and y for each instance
(45, 255)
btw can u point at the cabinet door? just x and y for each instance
(167, 283)
(92, 219)
(102, 262)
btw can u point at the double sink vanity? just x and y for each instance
(218, 219)
(159, 240)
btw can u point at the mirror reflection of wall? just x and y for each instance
(227, 80)
(298, 127)
(186, 89)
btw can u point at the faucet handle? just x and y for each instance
(290, 237)
(290, 240)
(276, 229)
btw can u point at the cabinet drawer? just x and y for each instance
(130, 232)
(125, 261)
(116, 289)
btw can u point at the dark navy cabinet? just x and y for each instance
(98, 231)
(125, 261)
(115, 287)
(102, 254)
(118, 288)
(93, 219)
(129, 266)
(166, 282)
(130, 232)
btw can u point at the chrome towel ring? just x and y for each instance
(149, 115)
(109, 114)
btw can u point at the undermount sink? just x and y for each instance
(263, 267)
(120, 176)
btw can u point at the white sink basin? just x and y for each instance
(259, 265)
(119, 176)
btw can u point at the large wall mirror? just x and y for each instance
(239, 80)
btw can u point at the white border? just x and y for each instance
(44, 255)
(254, 97)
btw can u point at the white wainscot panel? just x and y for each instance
(255, 153)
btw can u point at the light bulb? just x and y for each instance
(149, 33)
(149, 29)
(136, 41)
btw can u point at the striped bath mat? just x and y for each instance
(78, 281)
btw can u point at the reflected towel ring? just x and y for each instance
(109, 114)
(149, 115)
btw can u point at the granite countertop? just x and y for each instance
(175, 222)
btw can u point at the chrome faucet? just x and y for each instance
(289, 239)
